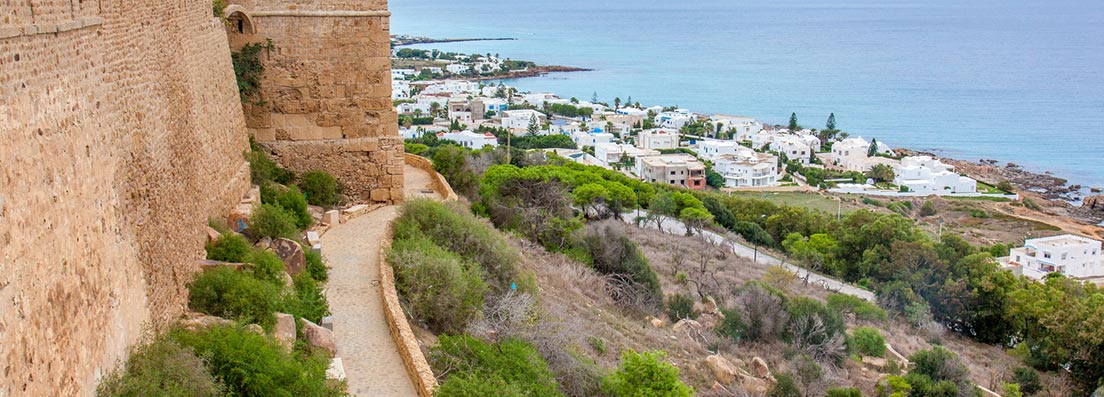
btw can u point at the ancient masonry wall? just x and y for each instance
(325, 100)
(121, 134)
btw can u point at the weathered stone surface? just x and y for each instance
(657, 323)
(710, 320)
(195, 321)
(760, 367)
(331, 217)
(313, 238)
(686, 325)
(255, 328)
(336, 369)
(295, 260)
(1095, 203)
(755, 385)
(284, 330)
(723, 370)
(875, 362)
(212, 234)
(318, 337)
(264, 243)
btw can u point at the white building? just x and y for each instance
(401, 74)
(537, 98)
(673, 169)
(712, 149)
(850, 154)
(674, 119)
(795, 147)
(610, 153)
(591, 138)
(454, 87)
(496, 105)
(761, 139)
(747, 168)
(469, 139)
(457, 68)
(400, 89)
(564, 127)
(1072, 256)
(744, 127)
(519, 120)
(923, 174)
(658, 139)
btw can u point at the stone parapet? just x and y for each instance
(439, 183)
(369, 169)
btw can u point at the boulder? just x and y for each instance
(332, 217)
(760, 367)
(212, 234)
(255, 328)
(755, 385)
(318, 337)
(877, 363)
(723, 370)
(706, 306)
(657, 323)
(239, 217)
(292, 254)
(194, 321)
(686, 325)
(711, 320)
(316, 212)
(1095, 203)
(284, 331)
(264, 243)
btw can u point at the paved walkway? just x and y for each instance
(673, 226)
(372, 363)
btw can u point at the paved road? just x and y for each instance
(372, 363)
(674, 226)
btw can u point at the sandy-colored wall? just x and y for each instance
(327, 79)
(122, 133)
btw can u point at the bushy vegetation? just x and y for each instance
(458, 231)
(236, 295)
(270, 220)
(862, 309)
(680, 306)
(510, 367)
(439, 288)
(844, 392)
(315, 267)
(867, 341)
(784, 387)
(610, 252)
(263, 170)
(160, 368)
(294, 203)
(646, 374)
(320, 188)
(229, 247)
(249, 364)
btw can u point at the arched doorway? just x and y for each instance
(239, 21)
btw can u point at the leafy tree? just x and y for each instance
(868, 342)
(881, 173)
(695, 218)
(1027, 379)
(645, 374)
(844, 392)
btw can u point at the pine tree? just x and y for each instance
(594, 98)
(831, 125)
(873, 151)
(533, 126)
(793, 123)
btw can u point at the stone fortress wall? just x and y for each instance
(325, 100)
(121, 132)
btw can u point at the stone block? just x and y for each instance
(317, 248)
(336, 369)
(723, 370)
(380, 195)
(312, 238)
(327, 322)
(284, 331)
(332, 217)
(212, 234)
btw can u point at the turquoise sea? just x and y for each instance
(1015, 81)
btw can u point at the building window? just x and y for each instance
(1046, 255)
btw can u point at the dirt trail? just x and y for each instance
(372, 363)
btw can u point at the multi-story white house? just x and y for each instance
(658, 139)
(674, 119)
(400, 89)
(610, 153)
(673, 169)
(401, 74)
(923, 174)
(744, 127)
(1069, 255)
(711, 149)
(564, 127)
(469, 139)
(747, 168)
(456, 68)
(496, 105)
(519, 120)
(795, 147)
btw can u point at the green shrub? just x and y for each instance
(612, 253)
(320, 188)
(160, 368)
(844, 392)
(267, 266)
(597, 344)
(510, 367)
(928, 209)
(680, 306)
(227, 293)
(1012, 390)
(270, 191)
(870, 201)
(862, 309)
(229, 247)
(458, 231)
(415, 148)
(732, 326)
(307, 301)
(262, 169)
(1028, 379)
(813, 326)
(646, 374)
(249, 364)
(440, 289)
(219, 225)
(293, 201)
(272, 221)
(784, 387)
(315, 267)
(867, 341)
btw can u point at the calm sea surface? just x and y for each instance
(1016, 81)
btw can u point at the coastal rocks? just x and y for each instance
(760, 367)
(292, 254)
(723, 370)
(1095, 203)
(318, 337)
(284, 331)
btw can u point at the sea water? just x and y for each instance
(1015, 81)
